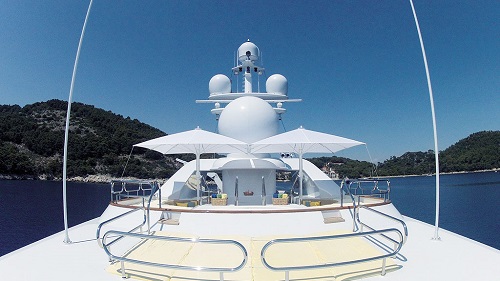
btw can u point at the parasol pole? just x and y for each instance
(300, 175)
(66, 132)
(436, 151)
(198, 175)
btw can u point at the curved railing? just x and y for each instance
(345, 189)
(287, 269)
(124, 259)
(403, 224)
(98, 232)
(375, 188)
(154, 188)
(133, 189)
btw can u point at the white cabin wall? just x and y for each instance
(249, 180)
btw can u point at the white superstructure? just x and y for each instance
(251, 215)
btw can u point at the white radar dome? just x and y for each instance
(248, 119)
(277, 84)
(248, 49)
(219, 84)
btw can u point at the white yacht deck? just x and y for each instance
(210, 255)
(453, 258)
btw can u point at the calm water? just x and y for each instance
(468, 203)
(32, 210)
(469, 206)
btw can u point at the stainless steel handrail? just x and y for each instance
(131, 189)
(221, 270)
(113, 191)
(354, 209)
(375, 190)
(128, 192)
(287, 269)
(342, 193)
(154, 188)
(405, 228)
(98, 232)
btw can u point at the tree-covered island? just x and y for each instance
(32, 138)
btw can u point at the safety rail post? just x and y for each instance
(122, 265)
(111, 192)
(159, 194)
(342, 193)
(146, 217)
(357, 213)
(388, 194)
(124, 187)
(153, 191)
(355, 209)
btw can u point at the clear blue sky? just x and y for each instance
(357, 65)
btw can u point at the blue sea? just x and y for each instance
(468, 203)
(32, 210)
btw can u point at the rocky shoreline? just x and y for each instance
(109, 178)
(86, 179)
(450, 173)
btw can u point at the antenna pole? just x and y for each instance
(66, 132)
(436, 151)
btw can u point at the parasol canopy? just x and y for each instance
(195, 141)
(303, 141)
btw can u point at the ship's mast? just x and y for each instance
(248, 56)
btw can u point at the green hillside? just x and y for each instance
(32, 139)
(479, 151)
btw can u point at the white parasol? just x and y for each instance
(195, 141)
(303, 141)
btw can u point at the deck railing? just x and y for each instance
(362, 224)
(125, 189)
(98, 232)
(358, 187)
(287, 269)
(148, 189)
(345, 188)
(122, 258)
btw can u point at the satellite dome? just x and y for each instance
(277, 84)
(219, 84)
(248, 119)
(248, 50)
